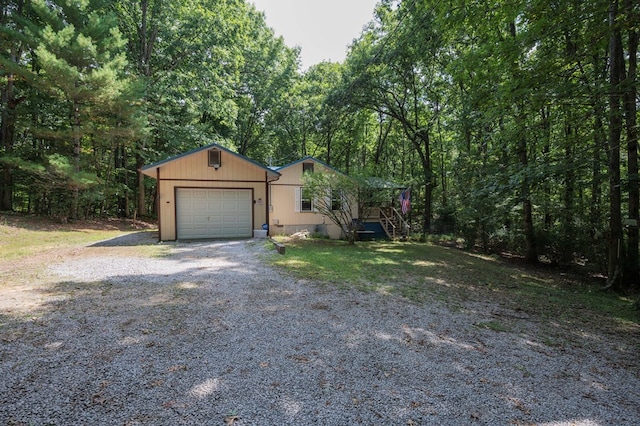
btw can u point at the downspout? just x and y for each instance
(268, 198)
(267, 201)
(159, 204)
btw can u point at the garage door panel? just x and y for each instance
(216, 220)
(213, 213)
(199, 205)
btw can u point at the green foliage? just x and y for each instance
(339, 197)
(112, 85)
(76, 100)
(268, 69)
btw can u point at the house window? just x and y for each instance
(306, 203)
(214, 158)
(336, 200)
(303, 200)
(307, 167)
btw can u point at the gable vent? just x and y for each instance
(214, 158)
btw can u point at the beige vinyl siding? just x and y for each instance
(193, 171)
(196, 167)
(286, 215)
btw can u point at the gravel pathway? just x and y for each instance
(210, 335)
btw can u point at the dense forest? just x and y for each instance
(514, 122)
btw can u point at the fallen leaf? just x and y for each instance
(299, 358)
(98, 399)
(177, 368)
(12, 337)
(520, 405)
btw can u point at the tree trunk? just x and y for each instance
(329, 145)
(632, 266)
(384, 128)
(140, 184)
(75, 200)
(615, 261)
(567, 246)
(8, 105)
(598, 102)
(147, 41)
(7, 136)
(600, 141)
(426, 214)
(531, 250)
(121, 179)
(545, 116)
(424, 153)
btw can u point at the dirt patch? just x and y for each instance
(35, 222)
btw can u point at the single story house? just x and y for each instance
(212, 192)
(292, 209)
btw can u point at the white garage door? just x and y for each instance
(213, 213)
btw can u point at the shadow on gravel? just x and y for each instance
(142, 238)
(183, 347)
(186, 341)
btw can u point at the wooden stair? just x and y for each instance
(393, 223)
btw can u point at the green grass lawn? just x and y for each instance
(23, 236)
(425, 272)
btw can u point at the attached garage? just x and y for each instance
(210, 192)
(213, 213)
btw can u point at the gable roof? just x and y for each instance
(150, 170)
(307, 159)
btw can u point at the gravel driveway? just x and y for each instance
(211, 335)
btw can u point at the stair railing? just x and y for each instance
(387, 223)
(404, 224)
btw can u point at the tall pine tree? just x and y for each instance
(80, 63)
